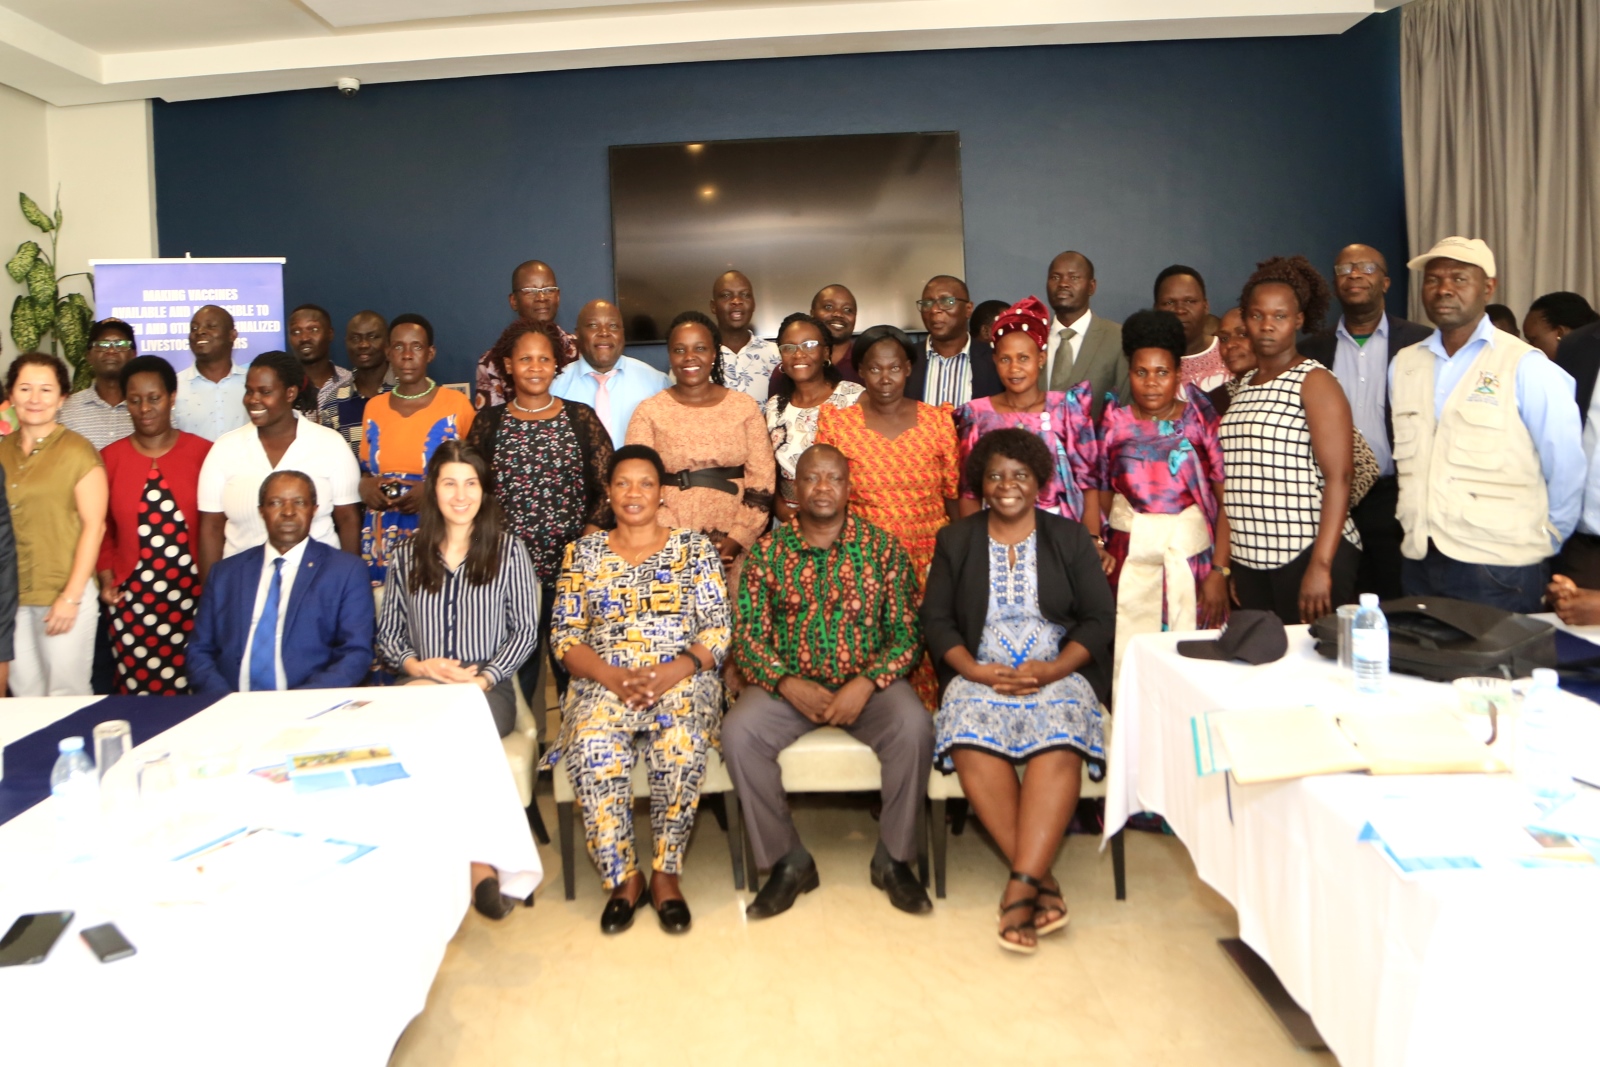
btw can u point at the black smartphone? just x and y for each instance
(31, 937)
(107, 942)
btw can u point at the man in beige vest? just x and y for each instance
(1083, 346)
(1487, 444)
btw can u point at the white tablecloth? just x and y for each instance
(326, 970)
(1447, 967)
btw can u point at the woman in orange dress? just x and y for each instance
(904, 460)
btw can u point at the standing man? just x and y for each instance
(952, 366)
(366, 343)
(826, 632)
(211, 392)
(603, 377)
(1578, 354)
(290, 614)
(1358, 351)
(1487, 444)
(747, 360)
(1083, 346)
(310, 338)
(536, 298)
(1182, 291)
(99, 412)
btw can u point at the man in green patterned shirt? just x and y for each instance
(827, 631)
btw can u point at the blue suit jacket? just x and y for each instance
(327, 629)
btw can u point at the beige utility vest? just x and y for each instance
(1471, 480)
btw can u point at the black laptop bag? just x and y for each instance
(1443, 639)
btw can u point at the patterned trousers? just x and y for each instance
(600, 761)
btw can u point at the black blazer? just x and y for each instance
(985, 379)
(1579, 355)
(1072, 592)
(1402, 334)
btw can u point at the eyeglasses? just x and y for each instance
(1366, 266)
(943, 303)
(539, 290)
(112, 346)
(808, 347)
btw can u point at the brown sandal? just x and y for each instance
(1031, 903)
(1054, 924)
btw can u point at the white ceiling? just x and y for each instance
(86, 51)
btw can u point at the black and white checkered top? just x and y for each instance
(1273, 494)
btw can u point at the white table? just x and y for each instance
(1446, 967)
(328, 970)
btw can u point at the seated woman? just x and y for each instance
(154, 475)
(1161, 480)
(1061, 420)
(903, 460)
(641, 625)
(807, 380)
(458, 604)
(1019, 618)
(1289, 445)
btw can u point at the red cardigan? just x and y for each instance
(126, 471)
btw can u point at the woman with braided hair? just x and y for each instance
(1288, 446)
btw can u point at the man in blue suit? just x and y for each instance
(291, 614)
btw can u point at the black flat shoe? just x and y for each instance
(784, 885)
(489, 901)
(674, 914)
(618, 915)
(904, 888)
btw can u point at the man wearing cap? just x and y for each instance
(1487, 445)
(99, 412)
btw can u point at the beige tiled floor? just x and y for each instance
(844, 979)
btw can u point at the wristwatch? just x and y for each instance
(1227, 572)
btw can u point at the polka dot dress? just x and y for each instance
(156, 614)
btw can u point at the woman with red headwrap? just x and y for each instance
(1061, 420)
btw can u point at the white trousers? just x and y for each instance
(56, 666)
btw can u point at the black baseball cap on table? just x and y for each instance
(1256, 637)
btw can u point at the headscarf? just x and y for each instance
(1028, 315)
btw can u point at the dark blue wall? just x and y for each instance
(421, 196)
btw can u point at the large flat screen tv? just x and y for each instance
(879, 213)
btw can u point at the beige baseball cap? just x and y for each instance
(1465, 249)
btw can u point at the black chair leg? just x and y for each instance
(735, 828)
(922, 842)
(941, 839)
(958, 815)
(564, 827)
(714, 803)
(1119, 871)
(536, 817)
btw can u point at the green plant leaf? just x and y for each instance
(72, 332)
(42, 283)
(20, 264)
(31, 212)
(23, 329)
(44, 319)
(58, 209)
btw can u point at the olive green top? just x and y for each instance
(44, 509)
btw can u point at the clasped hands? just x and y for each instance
(1015, 681)
(827, 707)
(641, 687)
(1573, 605)
(447, 670)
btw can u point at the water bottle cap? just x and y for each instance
(70, 744)
(1369, 600)
(1544, 676)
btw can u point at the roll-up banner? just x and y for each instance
(158, 297)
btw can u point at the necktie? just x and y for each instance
(602, 396)
(264, 647)
(1063, 352)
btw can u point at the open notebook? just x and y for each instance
(1272, 744)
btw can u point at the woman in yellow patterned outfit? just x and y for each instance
(642, 623)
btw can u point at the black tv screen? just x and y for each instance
(878, 213)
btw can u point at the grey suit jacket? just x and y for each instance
(1100, 363)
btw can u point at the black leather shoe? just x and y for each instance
(784, 884)
(489, 901)
(904, 888)
(674, 915)
(618, 915)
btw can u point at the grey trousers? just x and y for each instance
(893, 722)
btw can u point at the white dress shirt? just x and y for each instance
(1363, 372)
(1075, 343)
(231, 477)
(291, 565)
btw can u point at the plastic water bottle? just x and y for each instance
(76, 790)
(1541, 763)
(1369, 646)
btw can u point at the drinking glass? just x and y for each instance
(1347, 622)
(111, 742)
